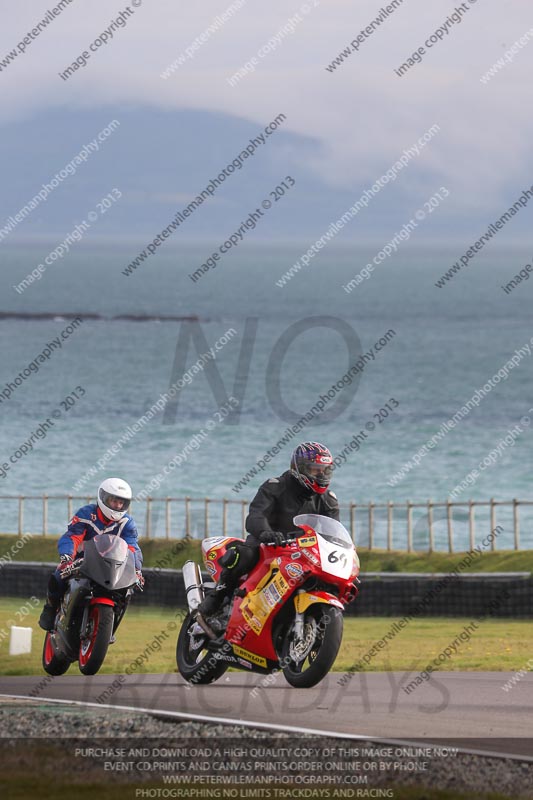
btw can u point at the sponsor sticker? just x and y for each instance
(307, 541)
(255, 659)
(210, 567)
(271, 595)
(294, 570)
(252, 620)
(311, 556)
(256, 611)
(296, 555)
(250, 615)
(212, 554)
(280, 583)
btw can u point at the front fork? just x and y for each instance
(84, 622)
(302, 601)
(118, 612)
(298, 625)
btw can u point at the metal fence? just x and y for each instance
(411, 526)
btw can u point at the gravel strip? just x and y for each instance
(36, 721)
(463, 774)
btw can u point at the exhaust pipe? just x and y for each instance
(193, 584)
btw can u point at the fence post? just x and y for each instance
(492, 521)
(45, 514)
(21, 515)
(244, 504)
(148, 516)
(471, 524)
(431, 531)
(450, 526)
(187, 517)
(224, 517)
(206, 517)
(390, 505)
(167, 518)
(516, 525)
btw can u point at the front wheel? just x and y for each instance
(197, 664)
(93, 647)
(53, 663)
(308, 659)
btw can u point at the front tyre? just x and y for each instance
(93, 647)
(197, 664)
(309, 659)
(53, 663)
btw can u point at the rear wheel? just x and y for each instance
(308, 659)
(197, 664)
(53, 663)
(93, 647)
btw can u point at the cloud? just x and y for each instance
(361, 115)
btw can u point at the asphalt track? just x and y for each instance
(469, 710)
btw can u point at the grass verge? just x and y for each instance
(497, 644)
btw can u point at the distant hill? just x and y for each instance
(160, 160)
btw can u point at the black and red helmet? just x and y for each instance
(312, 465)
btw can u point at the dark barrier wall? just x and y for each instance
(381, 594)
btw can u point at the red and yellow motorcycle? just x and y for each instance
(287, 614)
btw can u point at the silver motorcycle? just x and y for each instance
(100, 586)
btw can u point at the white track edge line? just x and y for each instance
(271, 726)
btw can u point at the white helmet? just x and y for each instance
(114, 498)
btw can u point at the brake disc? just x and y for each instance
(197, 637)
(299, 649)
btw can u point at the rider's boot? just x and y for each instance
(213, 601)
(48, 614)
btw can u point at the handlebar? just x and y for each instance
(72, 568)
(284, 543)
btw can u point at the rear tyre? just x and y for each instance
(93, 648)
(309, 659)
(197, 664)
(53, 663)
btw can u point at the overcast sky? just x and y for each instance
(361, 115)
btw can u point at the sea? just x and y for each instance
(290, 345)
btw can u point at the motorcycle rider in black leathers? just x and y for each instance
(302, 489)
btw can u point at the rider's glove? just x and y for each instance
(65, 564)
(140, 579)
(275, 537)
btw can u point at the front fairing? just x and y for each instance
(109, 562)
(326, 543)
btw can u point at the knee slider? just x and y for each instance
(230, 558)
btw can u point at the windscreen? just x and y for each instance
(333, 531)
(110, 546)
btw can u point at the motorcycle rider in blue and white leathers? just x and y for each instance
(108, 515)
